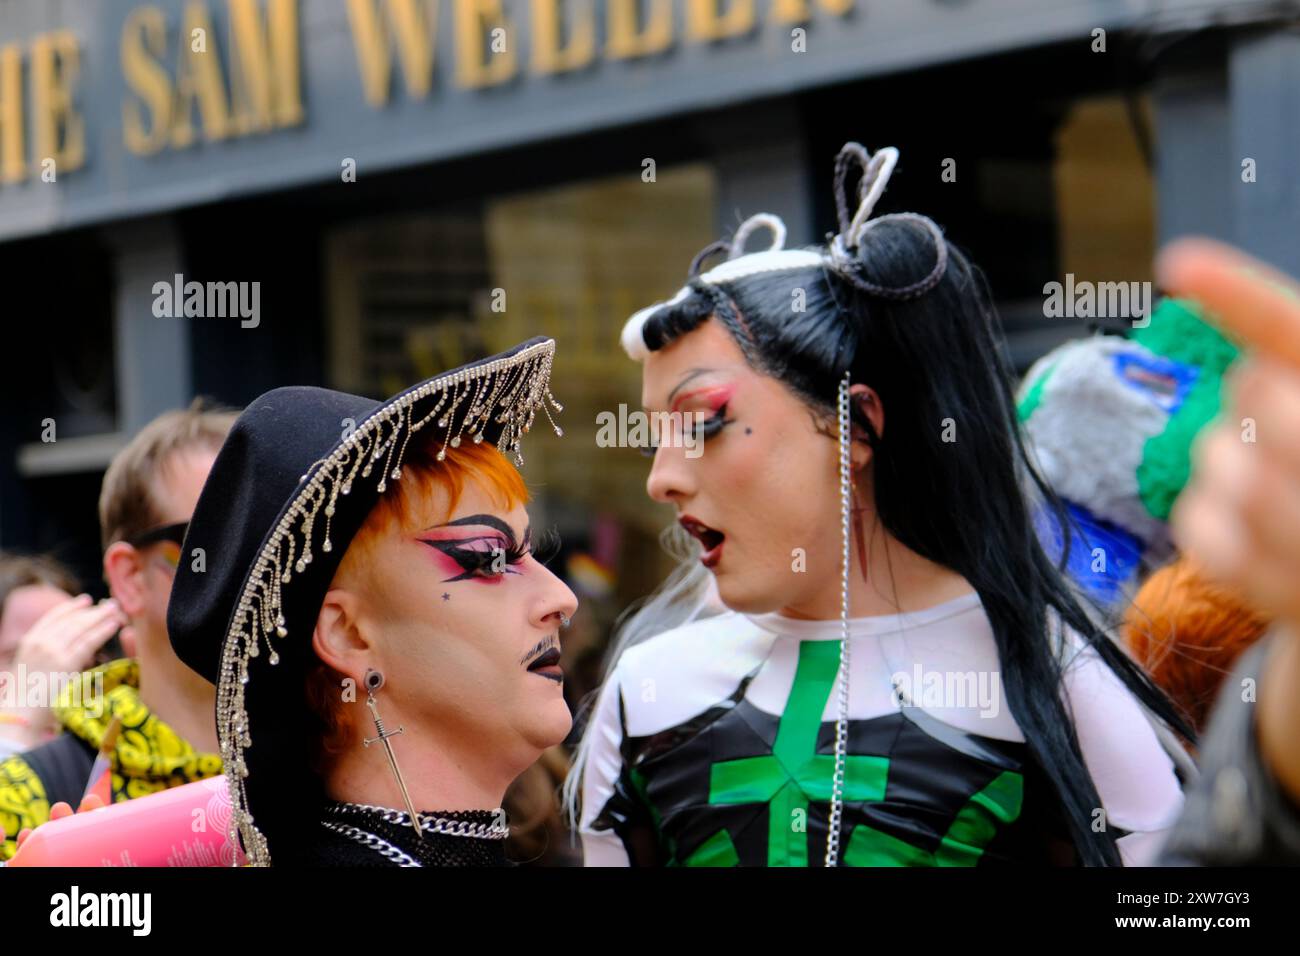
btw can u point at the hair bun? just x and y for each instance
(848, 249)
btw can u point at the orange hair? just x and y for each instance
(1187, 630)
(424, 480)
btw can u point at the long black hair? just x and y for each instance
(952, 478)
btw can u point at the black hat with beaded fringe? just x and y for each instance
(292, 484)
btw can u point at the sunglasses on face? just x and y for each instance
(168, 532)
(171, 535)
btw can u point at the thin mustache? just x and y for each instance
(542, 646)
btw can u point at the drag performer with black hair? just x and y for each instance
(901, 676)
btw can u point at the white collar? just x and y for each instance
(874, 625)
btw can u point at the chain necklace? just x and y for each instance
(366, 839)
(428, 824)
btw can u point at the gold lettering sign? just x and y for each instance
(705, 21)
(415, 24)
(485, 44)
(549, 56)
(199, 80)
(186, 87)
(797, 11)
(58, 129)
(143, 45)
(626, 41)
(561, 34)
(265, 89)
(12, 140)
(59, 132)
(265, 82)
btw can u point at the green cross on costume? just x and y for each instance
(962, 845)
(794, 775)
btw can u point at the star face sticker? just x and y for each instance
(446, 596)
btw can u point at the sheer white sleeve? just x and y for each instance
(1134, 776)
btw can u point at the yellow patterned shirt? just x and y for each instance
(149, 756)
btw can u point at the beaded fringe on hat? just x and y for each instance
(509, 390)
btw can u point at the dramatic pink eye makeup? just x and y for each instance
(485, 555)
(713, 396)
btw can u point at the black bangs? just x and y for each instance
(786, 324)
(670, 322)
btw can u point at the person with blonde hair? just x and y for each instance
(146, 713)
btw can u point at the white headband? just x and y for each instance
(774, 258)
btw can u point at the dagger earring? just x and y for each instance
(857, 510)
(859, 533)
(374, 680)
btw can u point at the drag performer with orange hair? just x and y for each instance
(384, 642)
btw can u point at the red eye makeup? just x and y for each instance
(714, 397)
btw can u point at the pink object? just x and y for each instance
(182, 826)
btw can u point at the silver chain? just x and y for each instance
(381, 846)
(842, 676)
(430, 824)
